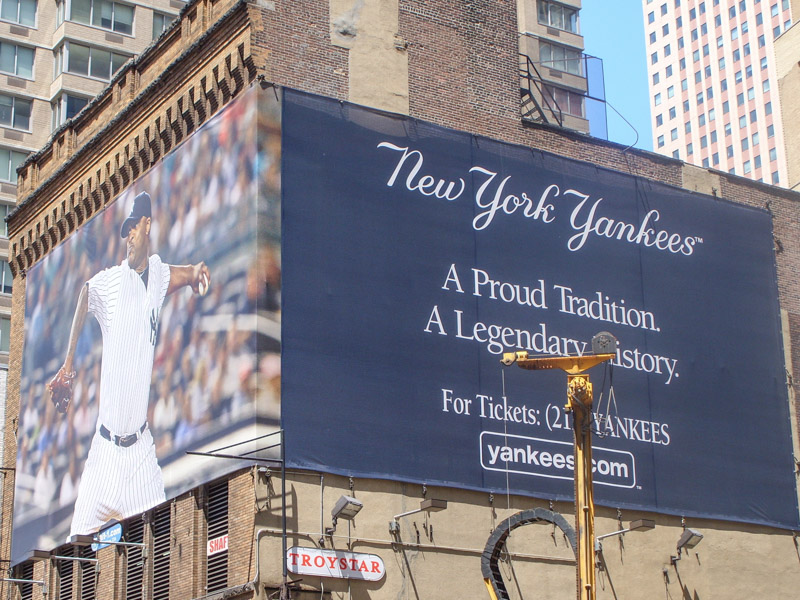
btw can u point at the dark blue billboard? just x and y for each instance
(414, 256)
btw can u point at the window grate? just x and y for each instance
(88, 572)
(134, 580)
(161, 550)
(26, 589)
(217, 519)
(66, 571)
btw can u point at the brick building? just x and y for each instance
(448, 63)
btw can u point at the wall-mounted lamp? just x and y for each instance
(689, 539)
(345, 508)
(637, 525)
(429, 505)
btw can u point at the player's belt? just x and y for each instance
(123, 441)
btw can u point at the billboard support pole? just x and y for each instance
(579, 403)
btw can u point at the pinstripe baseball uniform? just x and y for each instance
(121, 476)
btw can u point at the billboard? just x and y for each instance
(414, 256)
(163, 314)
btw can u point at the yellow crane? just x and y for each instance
(579, 403)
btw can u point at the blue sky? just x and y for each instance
(614, 31)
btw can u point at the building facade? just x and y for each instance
(444, 76)
(714, 84)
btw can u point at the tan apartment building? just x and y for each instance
(714, 84)
(55, 57)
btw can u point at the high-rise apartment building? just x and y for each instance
(713, 83)
(55, 57)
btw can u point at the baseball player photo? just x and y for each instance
(121, 476)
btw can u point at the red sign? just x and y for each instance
(335, 563)
(217, 545)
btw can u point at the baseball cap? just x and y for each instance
(141, 208)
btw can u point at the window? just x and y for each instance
(757, 162)
(718, 21)
(768, 108)
(676, 154)
(765, 85)
(745, 143)
(723, 85)
(569, 102)
(657, 99)
(712, 116)
(698, 77)
(19, 11)
(721, 63)
(738, 77)
(759, 19)
(747, 168)
(771, 131)
(729, 151)
(725, 108)
(102, 13)
(720, 42)
(742, 122)
(753, 116)
(739, 99)
(774, 10)
(679, 22)
(700, 98)
(5, 333)
(745, 27)
(732, 12)
(682, 64)
(672, 113)
(755, 139)
(670, 91)
(734, 33)
(559, 16)
(160, 23)
(673, 135)
(703, 141)
(785, 4)
(773, 154)
(694, 35)
(708, 71)
(748, 71)
(16, 60)
(775, 178)
(663, 9)
(710, 93)
(703, 29)
(15, 112)
(4, 210)
(659, 120)
(684, 84)
(665, 30)
(746, 49)
(705, 50)
(561, 58)
(89, 61)
(701, 119)
(692, 14)
(787, 24)
(668, 71)
(656, 78)
(713, 137)
(689, 149)
(660, 141)
(764, 63)
(686, 106)
(667, 50)
(776, 31)
(702, 8)
(652, 36)
(737, 55)
(761, 41)
(680, 43)
(65, 107)
(688, 127)
(715, 158)
(651, 17)
(696, 56)
(9, 161)
(751, 93)
(743, 6)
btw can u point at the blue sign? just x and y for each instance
(414, 256)
(111, 534)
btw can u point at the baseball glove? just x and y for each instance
(61, 390)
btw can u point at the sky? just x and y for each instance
(614, 31)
